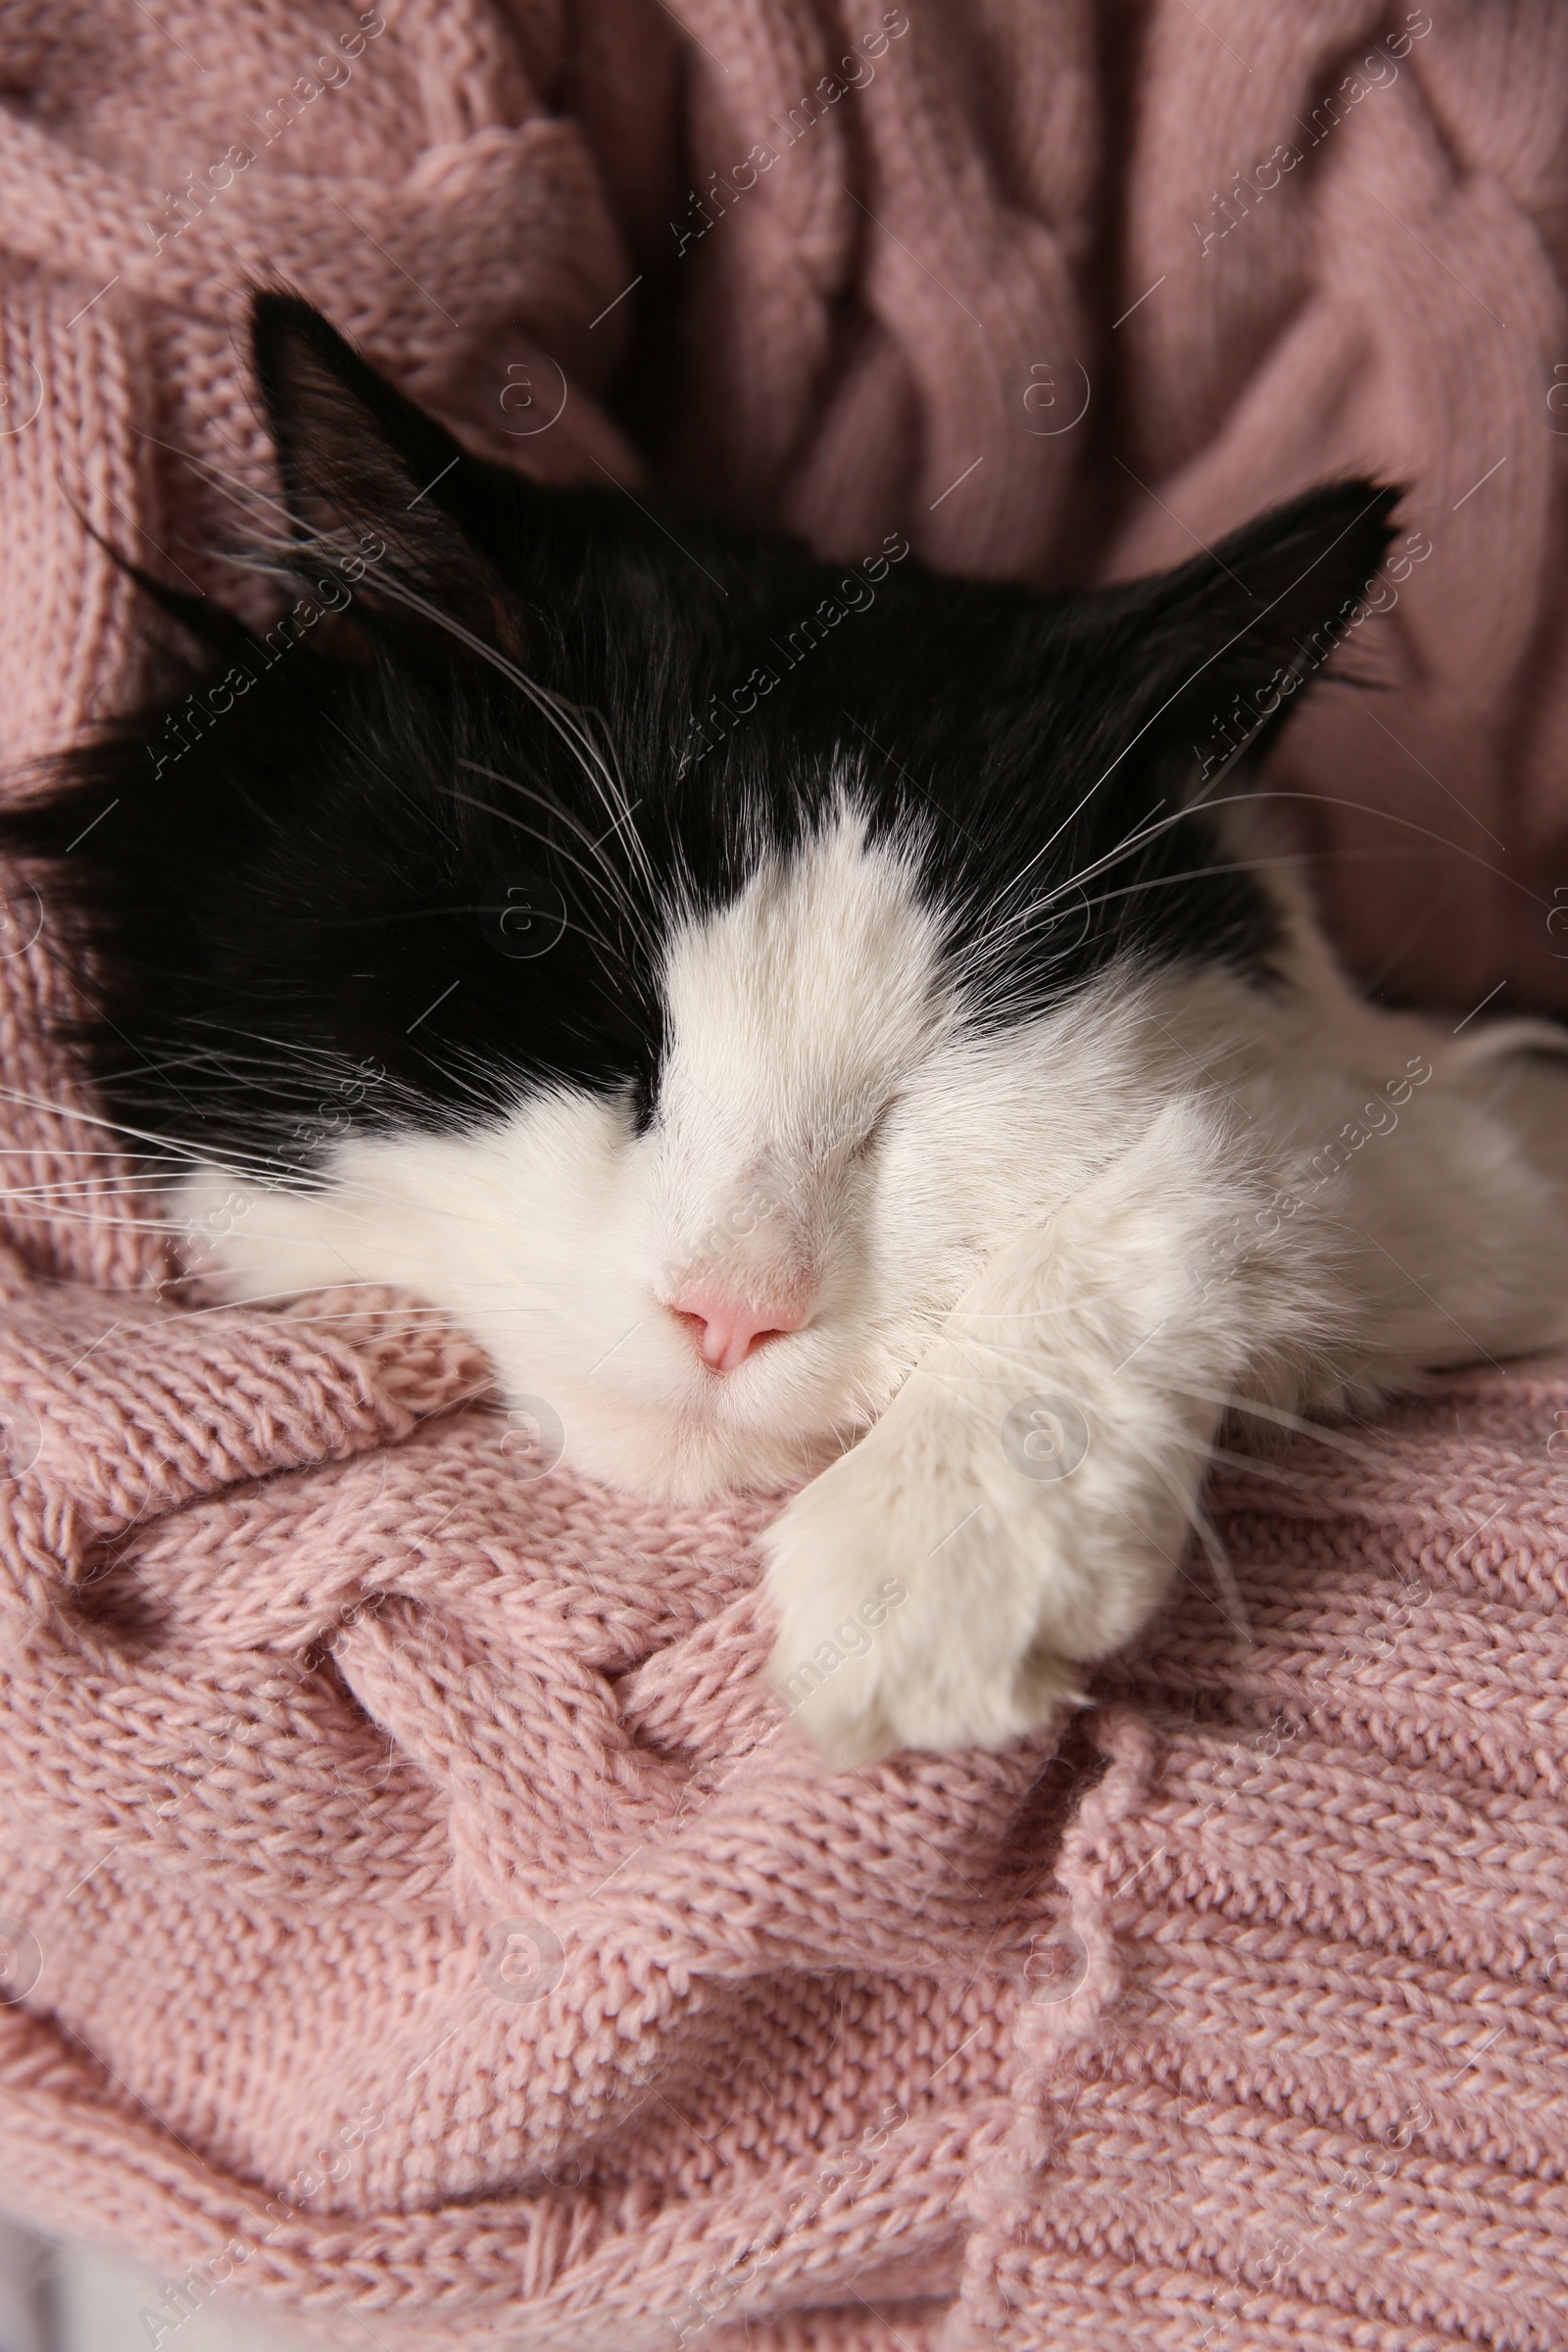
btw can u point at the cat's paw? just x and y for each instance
(940, 1588)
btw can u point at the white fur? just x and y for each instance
(1088, 1207)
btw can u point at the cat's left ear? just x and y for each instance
(1220, 650)
(375, 489)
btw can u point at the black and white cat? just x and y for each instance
(811, 1022)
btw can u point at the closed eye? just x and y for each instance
(863, 1146)
(642, 1097)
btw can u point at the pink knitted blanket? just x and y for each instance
(412, 1911)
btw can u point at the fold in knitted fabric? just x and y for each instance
(414, 1913)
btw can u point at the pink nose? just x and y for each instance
(727, 1329)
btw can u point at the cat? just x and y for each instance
(824, 1027)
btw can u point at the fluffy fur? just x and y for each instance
(585, 916)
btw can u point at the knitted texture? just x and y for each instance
(416, 1914)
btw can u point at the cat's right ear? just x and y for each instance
(376, 492)
(1212, 655)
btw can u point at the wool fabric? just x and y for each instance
(415, 1913)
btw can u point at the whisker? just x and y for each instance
(559, 713)
(233, 485)
(623, 898)
(1232, 1606)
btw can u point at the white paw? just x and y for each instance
(944, 1584)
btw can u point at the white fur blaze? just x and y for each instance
(1034, 1266)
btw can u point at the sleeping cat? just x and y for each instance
(821, 1023)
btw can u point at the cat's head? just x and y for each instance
(679, 957)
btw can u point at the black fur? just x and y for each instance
(301, 918)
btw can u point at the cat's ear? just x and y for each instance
(374, 489)
(1222, 649)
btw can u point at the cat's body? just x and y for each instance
(793, 1015)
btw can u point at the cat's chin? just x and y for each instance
(664, 1458)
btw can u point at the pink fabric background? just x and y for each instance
(1242, 2020)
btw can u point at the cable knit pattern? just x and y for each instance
(414, 1914)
